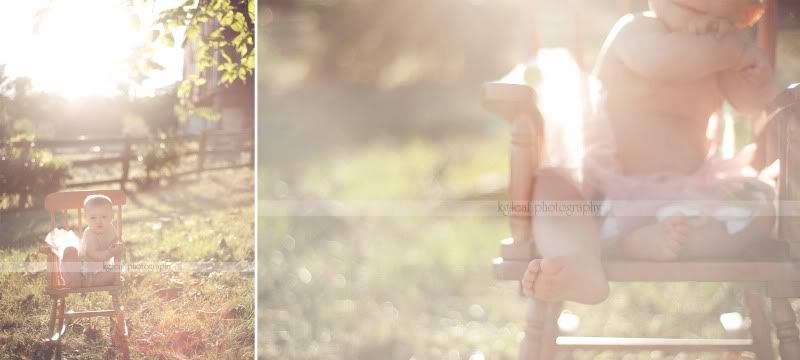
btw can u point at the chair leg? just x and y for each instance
(51, 324)
(551, 330)
(786, 328)
(119, 334)
(760, 326)
(60, 326)
(540, 331)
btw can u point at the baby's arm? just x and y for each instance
(693, 21)
(648, 48)
(93, 250)
(749, 90)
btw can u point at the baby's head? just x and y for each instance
(741, 13)
(99, 212)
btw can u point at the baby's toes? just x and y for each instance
(680, 233)
(531, 272)
(527, 288)
(678, 219)
(534, 267)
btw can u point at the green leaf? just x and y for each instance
(225, 56)
(168, 39)
(152, 65)
(184, 89)
(250, 62)
(227, 19)
(238, 22)
(192, 32)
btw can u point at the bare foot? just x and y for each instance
(662, 241)
(577, 278)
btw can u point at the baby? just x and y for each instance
(663, 74)
(100, 242)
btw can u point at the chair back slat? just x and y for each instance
(119, 223)
(74, 199)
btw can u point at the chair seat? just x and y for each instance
(697, 271)
(87, 289)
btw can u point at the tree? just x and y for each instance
(221, 33)
(5, 101)
(15, 103)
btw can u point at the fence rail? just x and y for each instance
(205, 147)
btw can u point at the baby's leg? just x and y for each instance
(569, 244)
(104, 278)
(712, 239)
(71, 267)
(662, 240)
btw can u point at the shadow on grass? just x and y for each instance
(229, 189)
(23, 228)
(190, 197)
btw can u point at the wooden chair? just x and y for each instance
(778, 277)
(64, 203)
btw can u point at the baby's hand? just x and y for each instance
(755, 66)
(118, 249)
(707, 24)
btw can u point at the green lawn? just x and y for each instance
(208, 315)
(337, 285)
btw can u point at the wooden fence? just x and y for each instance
(206, 144)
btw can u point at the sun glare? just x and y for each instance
(75, 48)
(83, 47)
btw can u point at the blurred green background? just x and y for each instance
(378, 101)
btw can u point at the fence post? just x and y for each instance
(126, 161)
(201, 151)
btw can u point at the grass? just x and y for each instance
(358, 285)
(208, 315)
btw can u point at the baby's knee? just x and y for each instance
(71, 267)
(70, 252)
(556, 184)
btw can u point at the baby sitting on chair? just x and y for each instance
(665, 194)
(99, 243)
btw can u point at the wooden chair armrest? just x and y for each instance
(515, 100)
(508, 99)
(509, 96)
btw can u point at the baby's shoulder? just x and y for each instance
(637, 23)
(630, 30)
